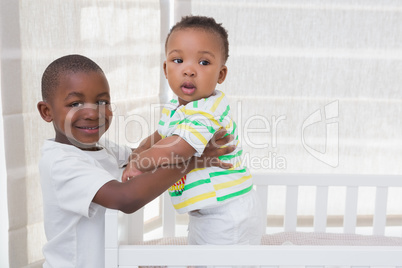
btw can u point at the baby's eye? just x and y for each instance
(76, 104)
(178, 61)
(204, 62)
(103, 102)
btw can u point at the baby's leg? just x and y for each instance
(238, 222)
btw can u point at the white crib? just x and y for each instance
(287, 248)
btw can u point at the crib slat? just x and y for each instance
(349, 220)
(168, 216)
(380, 211)
(111, 238)
(262, 191)
(321, 203)
(136, 223)
(290, 221)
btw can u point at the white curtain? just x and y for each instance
(290, 58)
(123, 37)
(314, 86)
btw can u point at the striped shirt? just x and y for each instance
(196, 123)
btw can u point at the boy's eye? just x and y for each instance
(103, 102)
(178, 61)
(76, 104)
(204, 62)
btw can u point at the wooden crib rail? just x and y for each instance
(261, 256)
(293, 182)
(322, 183)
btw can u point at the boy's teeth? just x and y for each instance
(90, 127)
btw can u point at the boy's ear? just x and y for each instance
(164, 69)
(222, 74)
(45, 111)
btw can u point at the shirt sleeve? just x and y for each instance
(75, 180)
(197, 128)
(121, 152)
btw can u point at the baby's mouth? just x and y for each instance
(188, 88)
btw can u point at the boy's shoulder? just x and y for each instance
(51, 146)
(53, 152)
(56, 155)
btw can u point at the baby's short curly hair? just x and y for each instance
(65, 65)
(204, 23)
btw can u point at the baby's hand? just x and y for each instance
(129, 172)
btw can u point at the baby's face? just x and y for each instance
(80, 109)
(194, 64)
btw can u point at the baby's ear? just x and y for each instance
(222, 74)
(45, 111)
(164, 69)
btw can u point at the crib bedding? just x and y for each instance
(329, 239)
(301, 238)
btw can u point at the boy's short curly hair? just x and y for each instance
(204, 23)
(64, 65)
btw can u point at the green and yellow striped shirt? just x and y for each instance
(196, 123)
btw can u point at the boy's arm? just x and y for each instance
(138, 191)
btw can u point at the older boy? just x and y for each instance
(79, 175)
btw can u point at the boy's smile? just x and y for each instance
(194, 64)
(80, 109)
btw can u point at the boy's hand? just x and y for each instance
(214, 149)
(129, 172)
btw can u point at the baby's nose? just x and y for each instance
(189, 71)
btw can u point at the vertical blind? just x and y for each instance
(123, 37)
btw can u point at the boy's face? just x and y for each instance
(194, 64)
(79, 109)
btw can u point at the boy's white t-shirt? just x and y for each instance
(70, 178)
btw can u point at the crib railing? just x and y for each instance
(120, 253)
(322, 183)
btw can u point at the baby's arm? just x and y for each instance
(168, 151)
(131, 170)
(147, 143)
